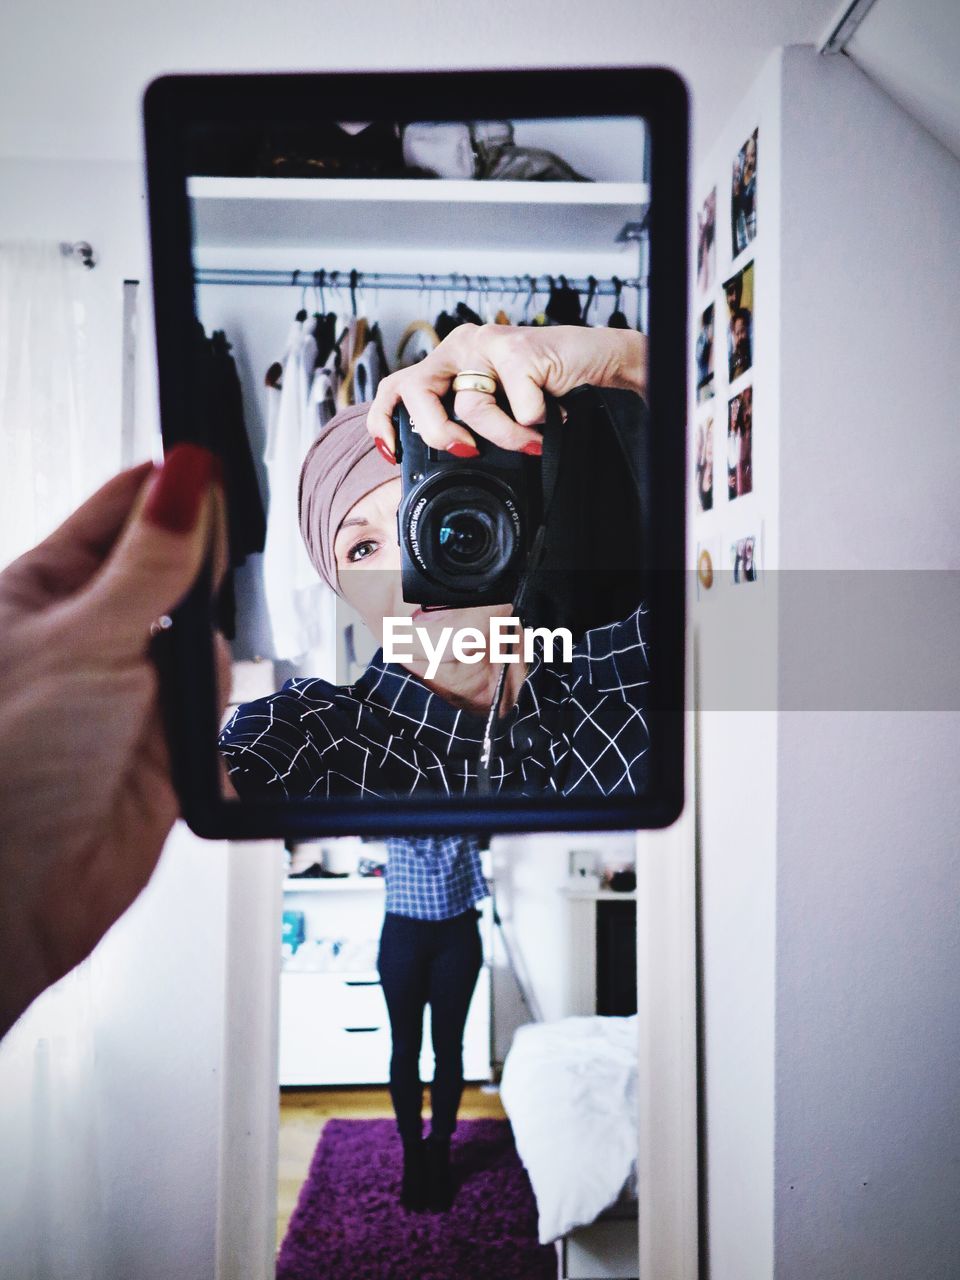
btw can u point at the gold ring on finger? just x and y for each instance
(475, 380)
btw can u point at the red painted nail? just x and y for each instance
(178, 489)
(384, 450)
(534, 448)
(461, 450)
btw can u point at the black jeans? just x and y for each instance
(433, 962)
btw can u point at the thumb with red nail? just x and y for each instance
(86, 801)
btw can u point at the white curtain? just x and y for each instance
(51, 1202)
(47, 463)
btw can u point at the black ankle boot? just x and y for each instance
(413, 1188)
(439, 1181)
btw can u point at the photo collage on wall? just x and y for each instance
(724, 365)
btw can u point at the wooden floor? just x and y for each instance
(304, 1112)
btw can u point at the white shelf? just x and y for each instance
(598, 895)
(347, 977)
(416, 190)
(327, 214)
(329, 884)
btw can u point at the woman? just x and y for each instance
(570, 728)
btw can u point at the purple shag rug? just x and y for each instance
(349, 1223)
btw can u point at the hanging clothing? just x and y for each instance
(222, 414)
(367, 372)
(418, 340)
(300, 607)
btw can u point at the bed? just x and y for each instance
(569, 1089)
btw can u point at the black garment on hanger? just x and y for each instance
(466, 315)
(564, 305)
(220, 404)
(445, 323)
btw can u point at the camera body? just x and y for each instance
(465, 525)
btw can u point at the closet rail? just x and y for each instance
(515, 286)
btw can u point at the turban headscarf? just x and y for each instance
(341, 467)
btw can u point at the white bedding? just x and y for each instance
(570, 1091)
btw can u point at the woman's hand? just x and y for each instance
(86, 800)
(525, 361)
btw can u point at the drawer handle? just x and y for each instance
(356, 1030)
(361, 982)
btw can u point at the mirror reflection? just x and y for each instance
(445, 573)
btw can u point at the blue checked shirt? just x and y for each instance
(434, 877)
(575, 729)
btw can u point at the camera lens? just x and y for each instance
(466, 537)
(463, 536)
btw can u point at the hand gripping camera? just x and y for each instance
(465, 525)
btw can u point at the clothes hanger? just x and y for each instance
(464, 313)
(418, 327)
(446, 323)
(502, 315)
(302, 313)
(617, 319)
(360, 336)
(325, 329)
(591, 298)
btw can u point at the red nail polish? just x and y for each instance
(534, 448)
(461, 450)
(384, 451)
(174, 500)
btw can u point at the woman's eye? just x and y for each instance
(360, 550)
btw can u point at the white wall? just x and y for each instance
(74, 74)
(868, 864)
(108, 1165)
(530, 873)
(827, 831)
(735, 645)
(118, 1089)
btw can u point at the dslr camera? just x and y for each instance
(465, 525)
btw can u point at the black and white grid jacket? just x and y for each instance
(576, 729)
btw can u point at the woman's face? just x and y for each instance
(368, 565)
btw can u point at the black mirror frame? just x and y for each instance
(184, 653)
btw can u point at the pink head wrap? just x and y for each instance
(341, 467)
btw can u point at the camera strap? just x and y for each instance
(550, 469)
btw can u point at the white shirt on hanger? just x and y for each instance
(300, 606)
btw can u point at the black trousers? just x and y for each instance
(433, 962)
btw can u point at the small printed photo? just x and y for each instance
(740, 444)
(742, 560)
(705, 388)
(743, 195)
(704, 467)
(707, 242)
(738, 291)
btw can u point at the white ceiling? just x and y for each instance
(912, 49)
(71, 75)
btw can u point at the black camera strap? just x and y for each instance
(550, 470)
